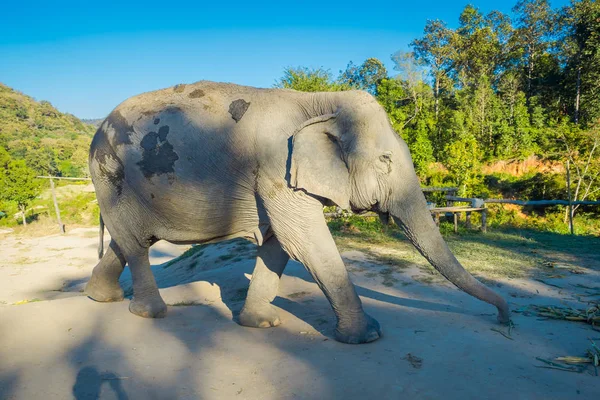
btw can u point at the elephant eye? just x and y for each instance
(386, 157)
(386, 162)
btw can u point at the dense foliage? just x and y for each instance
(495, 88)
(48, 141)
(36, 139)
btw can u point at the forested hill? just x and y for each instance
(48, 141)
(96, 121)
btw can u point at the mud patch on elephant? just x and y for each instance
(111, 168)
(122, 128)
(238, 108)
(196, 93)
(179, 88)
(156, 121)
(158, 157)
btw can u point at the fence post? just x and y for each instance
(484, 220)
(60, 225)
(455, 215)
(570, 200)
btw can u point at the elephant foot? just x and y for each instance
(363, 330)
(504, 315)
(104, 292)
(153, 307)
(263, 316)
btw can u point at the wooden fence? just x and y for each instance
(478, 205)
(61, 226)
(525, 203)
(475, 205)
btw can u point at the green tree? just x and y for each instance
(366, 76)
(309, 80)
(420, 146)
(18, 184)
(578, 149)
(463, 163)
(579, 43)
(534, 27)
(408, 101)
(482, 46)
(435, 50)
(391, 94)
(410, 72)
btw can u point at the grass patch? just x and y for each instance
(60, 249)
(297, 295)
(194, 251)
(18, 303)
(90, 234)
(77, 207)
(193, 264)
(426, 279)
(241, 245)
(185, 304)
(388, 277)
(363, 230)
(199, 250)
(24, 261)
(502, 252)
(240, 295)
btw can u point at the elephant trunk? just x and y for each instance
(410, 212)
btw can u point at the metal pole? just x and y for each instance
(484, 220)
(570, 200)
(60, 225)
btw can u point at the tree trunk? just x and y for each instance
(437, 97)
(577, 92)
(529, 76)
(570, 207)
(22, 208)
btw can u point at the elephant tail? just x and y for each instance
(101, 239)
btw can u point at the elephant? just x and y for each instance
(207, 162)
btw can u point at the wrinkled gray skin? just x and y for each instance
(208, 162)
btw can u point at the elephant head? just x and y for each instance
(354, 158)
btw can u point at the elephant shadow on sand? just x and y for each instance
(226, 268)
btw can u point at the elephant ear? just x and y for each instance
(317, 164)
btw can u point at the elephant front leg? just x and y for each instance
(302, 231)
(258, 312)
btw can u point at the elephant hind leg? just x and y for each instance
(258, 312)
(146, 300)
(104, 285)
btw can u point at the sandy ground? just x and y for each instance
(55, 343)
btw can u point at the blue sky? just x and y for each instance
(87, 58)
